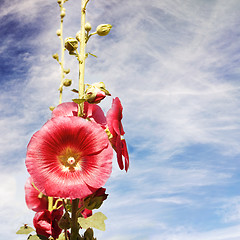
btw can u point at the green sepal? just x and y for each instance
(94, 221)
(95, 203)
(78, 101)
(25, 230)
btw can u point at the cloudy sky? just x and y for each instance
(175, 65)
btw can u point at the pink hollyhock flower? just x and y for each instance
(34, 199)
(69, 157)
(114, 117)
(91, 111)
(46, 223)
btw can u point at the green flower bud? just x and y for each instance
(67, 82)
(78, 35)
(88, 27)
(103, 29)
(63, 13)
(71, 44)
(58, 32)
(67, 71)
(51, 108)
(55, 56)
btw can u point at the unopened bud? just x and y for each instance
(78, 35)
(89, 234)
(103, 29)
(51, 108)
(59, 1)
(58, 32)
(71, 44)
(55, 56)
(63, 13)
(67, 71)
(67, 82)
(64, 222)
(88, 27)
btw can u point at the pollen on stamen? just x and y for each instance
(71, 160)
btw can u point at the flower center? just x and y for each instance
(71, 160)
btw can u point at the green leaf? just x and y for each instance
(94, 221)
(25, 230)
(79, 101)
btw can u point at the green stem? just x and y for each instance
(82, 54)
(62, 57)
(74, 220)
(50, 204)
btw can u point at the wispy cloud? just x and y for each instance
(175, 66)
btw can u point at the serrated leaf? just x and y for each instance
(78, 101)
(25, 230)
(94, 221)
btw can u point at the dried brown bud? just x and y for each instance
(71, 44)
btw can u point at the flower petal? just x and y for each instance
(33, 200)
(66, 109)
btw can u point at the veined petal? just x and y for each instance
(68, 157)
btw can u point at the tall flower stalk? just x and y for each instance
(70, 158)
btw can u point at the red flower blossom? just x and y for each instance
(46, 223)
(69, 157)
(34, 199)
(91, 111)
(114, 117)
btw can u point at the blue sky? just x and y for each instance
(175, 65)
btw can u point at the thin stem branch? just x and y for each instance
(50, 204)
